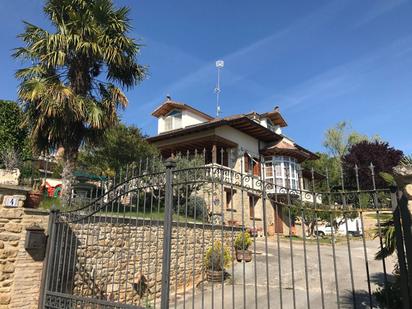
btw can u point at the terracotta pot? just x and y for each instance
(271, 229)
(293, 230)
(215, 275)
(33, 199)
(245, 255)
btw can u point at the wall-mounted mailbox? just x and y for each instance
(35, 239)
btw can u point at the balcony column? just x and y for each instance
(214, 154)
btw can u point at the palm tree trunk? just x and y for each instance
(69, 159)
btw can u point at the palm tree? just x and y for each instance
(70, 90)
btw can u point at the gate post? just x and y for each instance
(400, 248)
(51, 240)
(167, 233)
(403, 177)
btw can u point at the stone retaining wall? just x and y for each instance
(20, 272)
(123, 261)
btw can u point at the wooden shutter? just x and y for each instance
(256, 168)
(247, 162)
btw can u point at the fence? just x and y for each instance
(200, 235)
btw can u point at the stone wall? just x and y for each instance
(122, 261)
(20, 272)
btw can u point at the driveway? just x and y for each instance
(251, 287)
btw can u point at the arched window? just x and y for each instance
(173, 120)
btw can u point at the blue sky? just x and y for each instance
(320, 61)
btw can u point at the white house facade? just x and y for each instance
(250, 143)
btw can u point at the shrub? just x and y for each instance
(380, 154)
(390, 296)
(243, 241)
(195, 207)
(217, 256)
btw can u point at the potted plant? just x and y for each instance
(242, 243)
(34, 197)
(217, 257)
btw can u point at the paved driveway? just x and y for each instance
(251, 287)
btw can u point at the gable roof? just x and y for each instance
(282, 147)
(169, 105)
(275, 117)
(240, 122)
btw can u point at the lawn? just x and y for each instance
(48, 202)
(382, 215)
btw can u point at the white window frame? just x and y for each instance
(173, 120)
(281, 179)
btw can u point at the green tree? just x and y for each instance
(327, 166)
(120, 146)
(339, 139)
(71, 87)
(12, 136)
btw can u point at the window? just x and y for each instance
(282, 171)
(252, 165)
(228, 199)
(252, 203)
(270, 125)
(268, 170)
(173, 120)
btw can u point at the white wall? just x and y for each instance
(188, 119)
(160, 124)
(245, 142)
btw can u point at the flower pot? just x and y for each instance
(215, 275)
(271, 229)
(245, 255)
(33, 199)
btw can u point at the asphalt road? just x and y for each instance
(255, 285)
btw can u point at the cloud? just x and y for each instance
(378, 9)
(341, 79)
(248, 55)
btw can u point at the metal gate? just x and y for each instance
(194, 234)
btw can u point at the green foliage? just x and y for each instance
(47, 202)
(195, 208)
(242, 241)
(71, 88)
(390, 296)
(340, 138)
(13, 137)
(217, 256)
(388, 178)
(406, 160)
(120, 146)
(389, 240)
(325, 165)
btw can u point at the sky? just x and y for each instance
(321, 62)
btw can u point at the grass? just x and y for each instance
(48, 202)
(313, 239)
(155, 215)
(382, 216)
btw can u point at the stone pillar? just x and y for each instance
(10, 235)
(403, 177)
(20, 273)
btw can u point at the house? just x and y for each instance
(252, 144)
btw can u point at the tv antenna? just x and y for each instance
(219, 65)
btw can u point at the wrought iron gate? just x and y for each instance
(178, 236)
